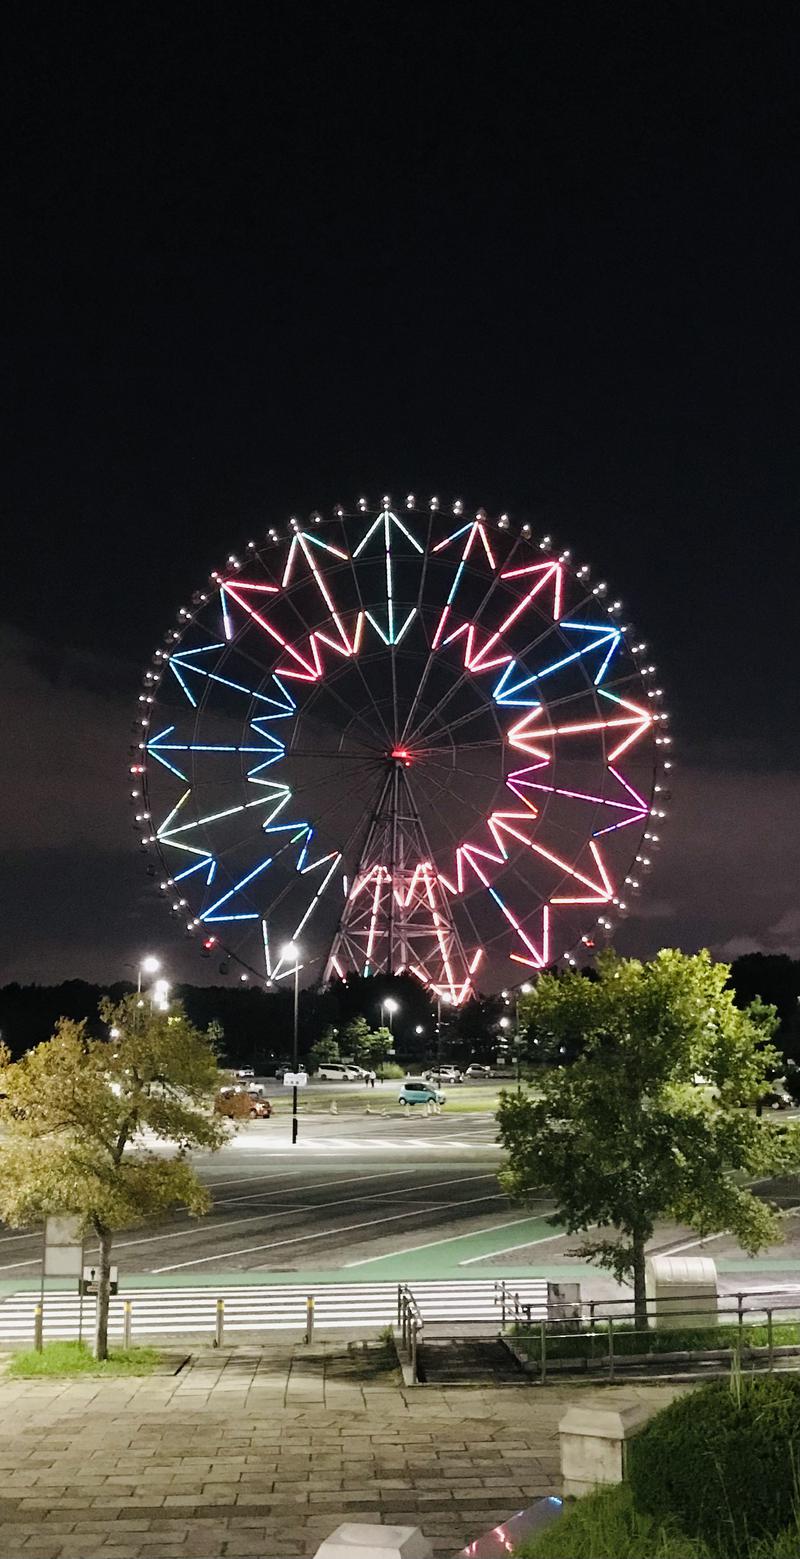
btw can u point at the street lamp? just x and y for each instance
(159, 995)
(292, 952)
(148, 965)
(391, 1007)
(524, 990)
(447, 1000)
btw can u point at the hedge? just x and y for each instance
(723, 1461)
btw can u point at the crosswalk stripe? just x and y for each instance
(265, 1307)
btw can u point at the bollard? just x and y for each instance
(38, 1332)
(310, 1318)
(220, 1326)
(334, 1110)
(126, 1324)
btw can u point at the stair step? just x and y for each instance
(468, 1362)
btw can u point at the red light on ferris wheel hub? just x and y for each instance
(401, 755)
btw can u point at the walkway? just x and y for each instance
(263, 1451)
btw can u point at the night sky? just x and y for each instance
(262, 258)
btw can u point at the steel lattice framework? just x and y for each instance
(407, 739)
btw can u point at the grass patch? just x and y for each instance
(75, 1358)
(593, 1346)
(606, 1525)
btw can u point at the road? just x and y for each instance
(374, 1198)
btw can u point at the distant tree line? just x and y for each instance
(254, 1025)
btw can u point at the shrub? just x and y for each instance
(723, 1461)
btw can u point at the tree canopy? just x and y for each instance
(74, 1109)
(624, 1135)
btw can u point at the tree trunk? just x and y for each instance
(639, 1288)
(103, 1294)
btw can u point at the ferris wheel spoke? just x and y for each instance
(408, 738)
(494, 584)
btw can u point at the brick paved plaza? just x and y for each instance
(263, 1451)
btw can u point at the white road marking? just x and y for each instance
(507, 1249)
(272, 1307)
(322, 1234)
(447, 1240)
(283, 1212)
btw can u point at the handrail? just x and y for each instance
(411, 1324)
(599, 1333)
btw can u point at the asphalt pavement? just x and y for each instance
(377, 1197)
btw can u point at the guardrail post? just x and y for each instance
(611, 1347)
(219, 1333)
(126, 1324)
(310, 1318)
(399, 1303)
(543, 1350)
(38, 1329)
(770, 1340)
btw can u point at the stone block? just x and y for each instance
(355, 1540)
(592, 1441)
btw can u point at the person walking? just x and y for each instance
(372, 1079)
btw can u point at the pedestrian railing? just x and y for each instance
(602, 1337)
(410, 1326)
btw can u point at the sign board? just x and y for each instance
(90, 1280)
(63, 1246)
(295, 1079)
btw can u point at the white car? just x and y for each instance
(477, 1070)
(338, 1072)
(444, 1074)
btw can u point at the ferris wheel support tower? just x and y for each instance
(397, 915)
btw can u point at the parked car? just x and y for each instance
(776, 1100)
(338, 1072)
(477, 1070)
(416, 1090)
(245, 1071)
(241, 1103)
(444, 1074)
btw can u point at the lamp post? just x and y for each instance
(391, 1006)
(292, 951)
(447, 1000)
(148, 965)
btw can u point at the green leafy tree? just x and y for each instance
(72, 1113)
(623, 1136)
(356, 1041)
(326, 1048)
(379, 1046)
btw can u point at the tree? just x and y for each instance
(73, 1109)
(356, 1040)
(624, 1136)
(379, 1045)
(326, 1048)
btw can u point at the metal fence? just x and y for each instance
(602, 1339)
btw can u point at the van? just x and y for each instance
(338, 1072)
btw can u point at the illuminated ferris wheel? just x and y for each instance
(400, 738)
